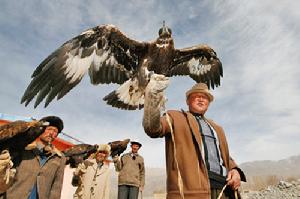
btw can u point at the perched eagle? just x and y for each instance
(15, 136)
(78, 153)
(109, 56)
(118, 147)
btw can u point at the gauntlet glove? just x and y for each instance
(154, 101)
(7, 173)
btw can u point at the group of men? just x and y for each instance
(38, 171)
(198, 162)
(93, 175)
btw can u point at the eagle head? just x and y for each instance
(165, 31)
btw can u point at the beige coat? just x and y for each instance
(188, 145)
(49, 177)
(131, 172)
(94, 182)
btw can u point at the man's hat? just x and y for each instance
(104, 147)
(136, 142)
(54, 121)
(200, 88)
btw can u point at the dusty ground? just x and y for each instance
(283, 190)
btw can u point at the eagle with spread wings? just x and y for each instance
(109, 56)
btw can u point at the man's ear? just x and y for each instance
(187, 101)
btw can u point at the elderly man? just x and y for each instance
(197, 156)
(94, 175)
(39, 168)
(131, 173)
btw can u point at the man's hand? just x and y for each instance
(81, 169)
(115, 158)
(233, 179)
(141, 189)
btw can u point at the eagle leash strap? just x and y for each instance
(222, 191)
(180, 182)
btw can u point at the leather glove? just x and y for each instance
(158, 83)
(154, 96)
(7, 173)
(81, 169)
(154, 101)
(5, 160)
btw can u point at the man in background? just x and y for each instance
(94, 175)
(131, 173)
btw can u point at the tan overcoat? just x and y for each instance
(94, 181)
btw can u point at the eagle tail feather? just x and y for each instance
(128, 96)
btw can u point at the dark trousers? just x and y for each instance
(215, 193)
(128, 192)
(228, 194)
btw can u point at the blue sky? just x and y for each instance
(257, 41)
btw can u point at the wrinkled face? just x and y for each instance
(135, 148)
(101, 156)
(198, 103)
(49, 134)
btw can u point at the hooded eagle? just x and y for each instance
(109, 56)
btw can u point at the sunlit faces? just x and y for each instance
(101, 156)
(198, 102)
(135, 148)
(49, 134)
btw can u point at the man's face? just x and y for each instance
(49, 134)
(101, 156)
(135, 148)
(198, 103)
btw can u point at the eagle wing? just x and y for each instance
(107, 54)
(17, 135)
(200, 63)
(78, 153)
(118, 147)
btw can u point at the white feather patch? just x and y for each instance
(76, 67)
(197, 68)
(129, 93)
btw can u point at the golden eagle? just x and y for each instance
(80, 152)
(15, 136)
(118, 147)
(109, 56)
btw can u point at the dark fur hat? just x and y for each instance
(54, 121)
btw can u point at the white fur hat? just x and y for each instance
(104, 147)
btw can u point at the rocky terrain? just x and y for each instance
(283, 190)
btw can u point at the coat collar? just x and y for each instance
(34, 146)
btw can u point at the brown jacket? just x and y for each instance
(49, 177)
(188, 144)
